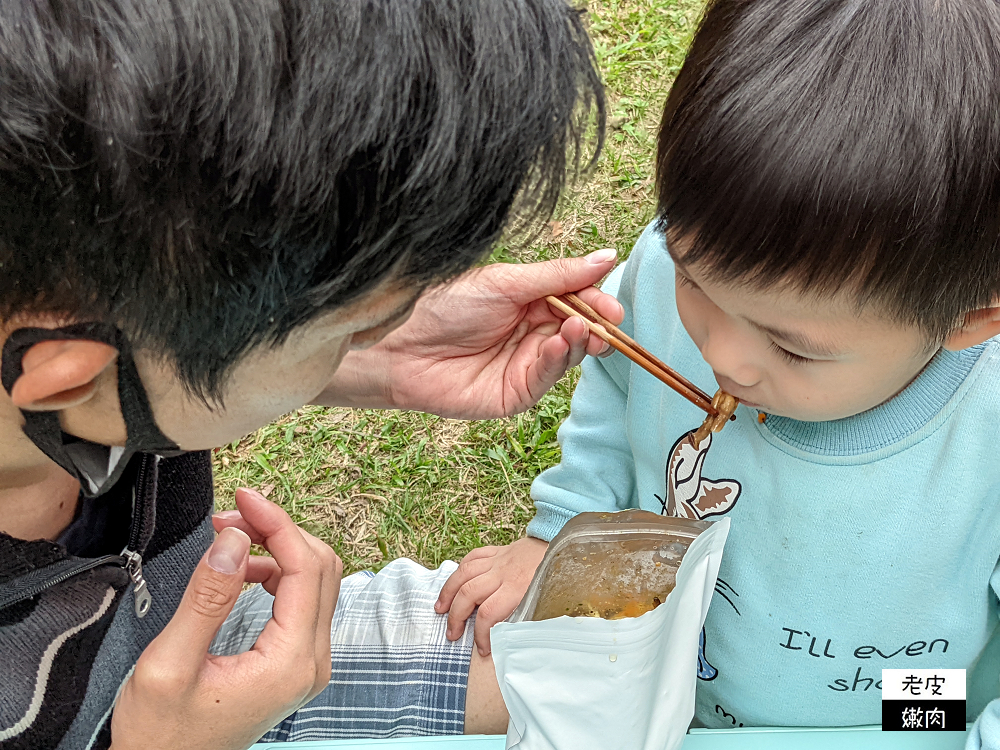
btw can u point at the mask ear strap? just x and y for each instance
(43, 427)
(143, 432)
(22, 339)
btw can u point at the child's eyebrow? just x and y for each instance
(799, 341)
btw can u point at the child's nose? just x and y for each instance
(728, 357)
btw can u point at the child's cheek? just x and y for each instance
(694, 319)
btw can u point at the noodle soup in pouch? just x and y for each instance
(603, 650)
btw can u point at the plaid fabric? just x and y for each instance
(394, 672)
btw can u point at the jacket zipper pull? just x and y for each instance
(143, 599)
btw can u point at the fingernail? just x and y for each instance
(602, 256)
(227, 515)
(228, 550)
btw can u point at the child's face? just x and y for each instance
(795, 354)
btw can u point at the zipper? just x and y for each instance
(37, 581)
(133, 566)
(138, 529)
(143, 600)
(34, 583)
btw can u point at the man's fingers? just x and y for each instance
(233, 519)
(297, 599)
(575, 332)
(577, 335)
(305, 593)
(603, 303)
(304, 578)
(209, 598)
(265, 571)
(555, 356)
(608, 307)
(329, 594)
(555, 277)
(576, 275)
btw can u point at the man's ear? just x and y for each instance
(979, 325)
(60, 374)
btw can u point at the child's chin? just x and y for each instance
(799, 415)
(807, 416)
(792, 412)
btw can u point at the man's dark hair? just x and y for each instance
(211, 174)
(842, 144)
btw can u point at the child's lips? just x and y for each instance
(730, 387)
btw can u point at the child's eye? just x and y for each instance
(791, 358)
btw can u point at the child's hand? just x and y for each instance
(180, 696)
(492, 578)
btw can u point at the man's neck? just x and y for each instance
(40, 508)
(37, 498)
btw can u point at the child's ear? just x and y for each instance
(60, 374)
(979, 325)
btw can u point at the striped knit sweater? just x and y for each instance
(70, 631)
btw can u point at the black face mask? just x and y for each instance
(96, 466)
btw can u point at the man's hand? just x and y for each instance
(180, 696)
(493, 579)
(484, 346)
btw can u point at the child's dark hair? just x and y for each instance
(211, 174)
(842, 144)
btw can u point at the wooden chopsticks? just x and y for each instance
(605, 330)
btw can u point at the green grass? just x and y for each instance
(380, 485)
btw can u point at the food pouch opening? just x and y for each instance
(603, 650)
(609, 565)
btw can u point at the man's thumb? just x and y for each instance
(564, 275)
(209, 597)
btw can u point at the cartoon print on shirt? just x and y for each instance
(689, 495)
(705, 670)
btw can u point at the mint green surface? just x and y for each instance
(863, 738)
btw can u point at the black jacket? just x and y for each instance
(72, 625)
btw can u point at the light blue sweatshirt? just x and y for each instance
(860, 544)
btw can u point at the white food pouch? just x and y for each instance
(572, 683)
